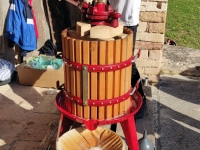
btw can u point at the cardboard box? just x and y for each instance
(49, 78)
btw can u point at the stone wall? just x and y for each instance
(150, 37)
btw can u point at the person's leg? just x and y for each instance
(135, 76)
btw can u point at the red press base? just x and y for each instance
(127, 121)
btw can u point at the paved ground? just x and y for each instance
(177, 100)
(177, 113)
(28, 113)
(28, 116)
(25, 115)
(181, 60)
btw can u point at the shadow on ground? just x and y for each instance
(191, 72)
(178, 106)
(17, 103)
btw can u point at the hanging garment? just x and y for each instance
(34, 19)
(48, 49)
(20, 25)
(129, 9)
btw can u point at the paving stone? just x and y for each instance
(25, 145)
(178, 114)
(5, 147)
(47, 105)
(11, 111)
(178, 131)
(184, 97)
(36, 127)
(9, 129)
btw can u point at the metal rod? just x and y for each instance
(72, 2)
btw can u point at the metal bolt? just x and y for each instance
(102, 68)
(117, 100)
(110, 102)
(118, 66)
(93, 68)
(93, 103)
(110, 67)
(101, 103)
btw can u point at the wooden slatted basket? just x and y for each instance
(100, 85)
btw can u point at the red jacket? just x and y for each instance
(34, 20)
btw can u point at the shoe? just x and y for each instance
(142, 110)
(170, 42)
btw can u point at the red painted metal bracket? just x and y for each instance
(99, 68)
(92, 124)
(98, 102)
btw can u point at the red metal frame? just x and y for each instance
(99, 102)
(127, 121)
(101, 14)
(98, 13)
(92, 124)
(100, 68)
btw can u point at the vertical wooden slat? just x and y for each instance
(102, 78)
(126, 75)
(79, 76)
(72, 73)
(63, 36)
(109, 77)
(122, 75)
(117, 52)
(63, 54)
(129, 54)
(66, 55)
(86, 60)
(94, 61)
(67, 75)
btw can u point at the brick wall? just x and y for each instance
(150, 37)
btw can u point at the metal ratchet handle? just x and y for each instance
(73, 2)
(137, 55)
(135, 87)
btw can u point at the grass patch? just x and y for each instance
(183, 22)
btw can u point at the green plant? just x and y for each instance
(183, 22)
